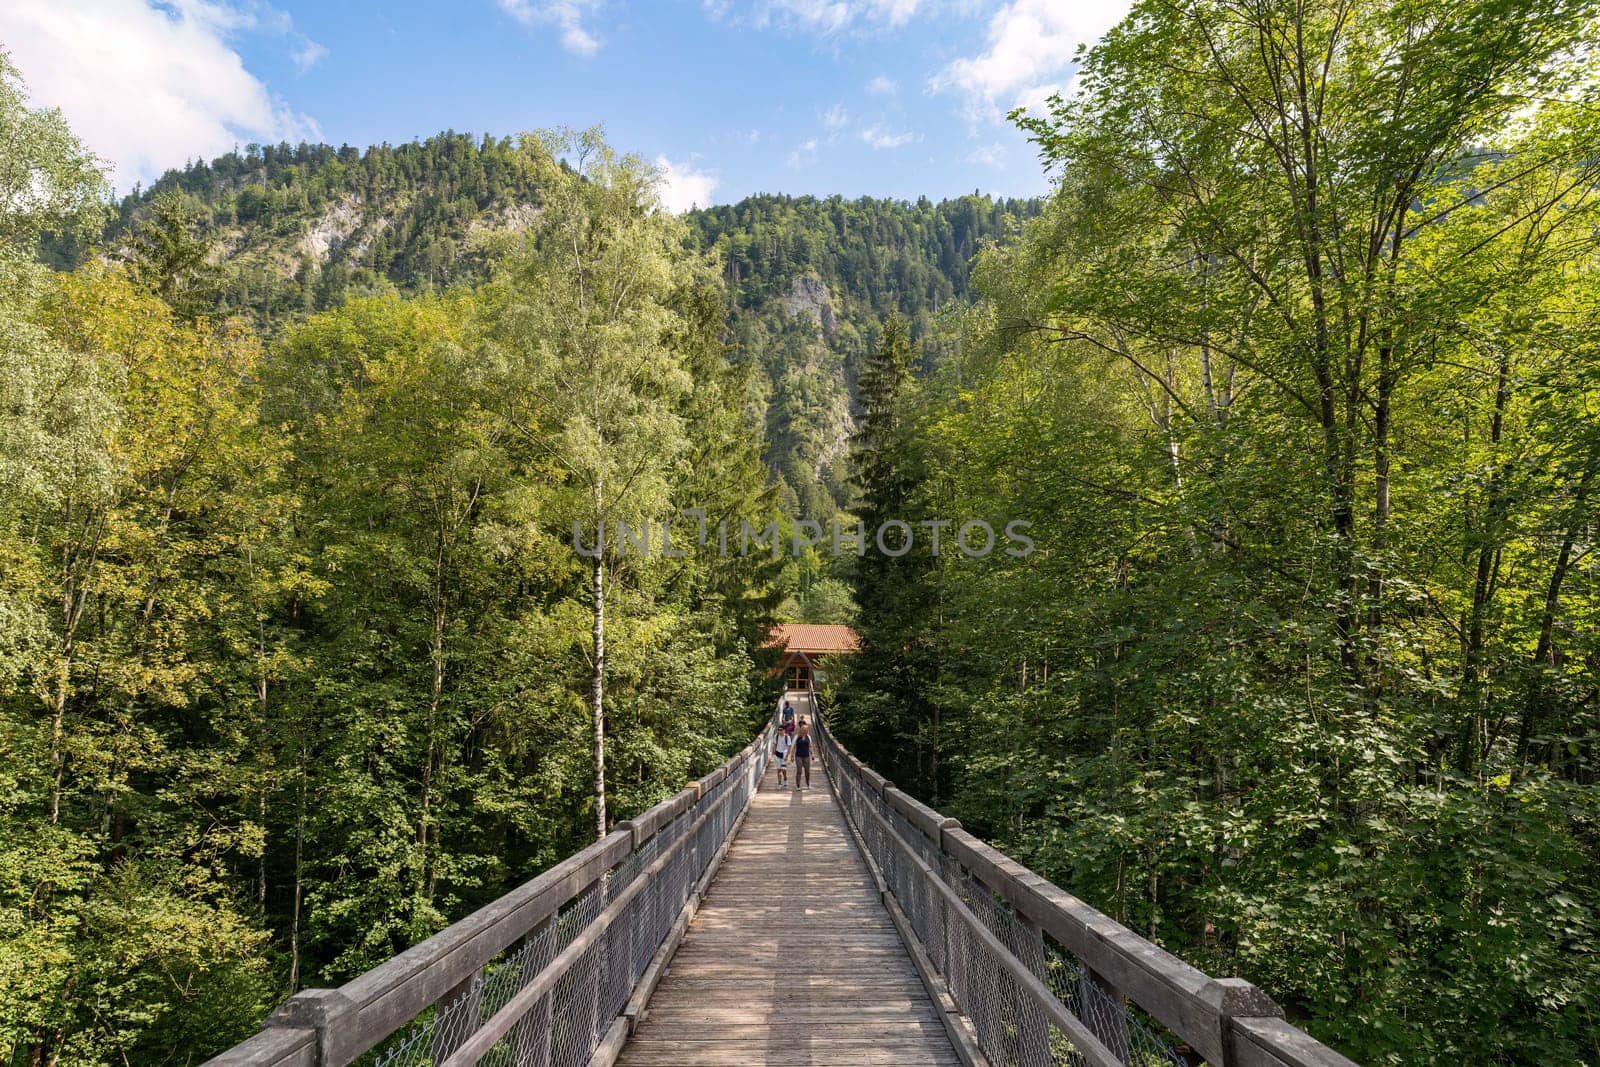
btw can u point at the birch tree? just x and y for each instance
(585, 331)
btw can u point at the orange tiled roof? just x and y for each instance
(814, 639)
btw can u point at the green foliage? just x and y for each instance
(50, 182)
(1294, 379)
(307, 224)
(805, 281)
(810, 282)
(293, 642)
(170, 258)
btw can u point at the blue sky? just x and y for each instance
(730, 97)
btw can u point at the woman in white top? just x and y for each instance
(782, 752)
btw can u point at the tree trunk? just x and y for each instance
(299, 879)
(430, 769)
(263, 692)
(597, 695)
(1544, 653)
(1381, 419)
(58, 761)
(1486, 571)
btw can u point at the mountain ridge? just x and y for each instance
(295, 229)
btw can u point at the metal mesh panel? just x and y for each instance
(1009, 1020)
(429, 1039)
(564, 1026)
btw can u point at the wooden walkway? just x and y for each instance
(791, 959)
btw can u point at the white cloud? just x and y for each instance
(894, 12)
(229, 17)
(823, 17)
(804, 154)
(990, 155)
(149, 87)
(1036, 98)
(309, 54)
(879, 137)
(568, 16)
(682, 186)
(818, 16)
(883, 85)
(836, 117)
(1030, 45)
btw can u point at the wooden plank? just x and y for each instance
(791, 958)
(1272, 1042)
(276, 1046)
(648, 823)
(610, 1046)
(770, 1052)
(700, 1012)
(712, 780)
(918, 814)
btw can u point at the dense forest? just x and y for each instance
(297, 662)
(292, 230)
(1295, 378)
(810, 283)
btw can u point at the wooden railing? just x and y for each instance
(1028, 974)
(554, 972)
(558, 970)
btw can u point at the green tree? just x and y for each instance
(594, 380)
(169, 253)
(1286, 377)
(886, 708)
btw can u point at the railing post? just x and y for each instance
(595, 1025)
(329, 1014)
(1105, 1012)
(1033, 1026)
(947, 946)
(1235, 998)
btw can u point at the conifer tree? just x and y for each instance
(884, 704)
(171, 254)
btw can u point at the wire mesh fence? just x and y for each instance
(620, 920)
(542, 977)
(1029, 1001)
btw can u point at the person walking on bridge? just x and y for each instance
(780, 750)
(802, 755)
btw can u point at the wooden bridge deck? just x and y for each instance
(791, 959)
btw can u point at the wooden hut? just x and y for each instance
(808, 646)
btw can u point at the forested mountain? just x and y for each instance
(809, 284)
(298, 229)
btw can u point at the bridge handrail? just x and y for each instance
(589, 927)
(1030, 968)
